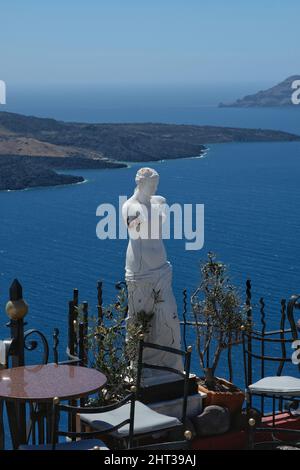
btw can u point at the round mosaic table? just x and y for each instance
(39, 385)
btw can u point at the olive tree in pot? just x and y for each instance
(218, 318)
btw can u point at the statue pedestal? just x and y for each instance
(170, 387)
(174, 407)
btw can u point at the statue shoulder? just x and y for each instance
(158, 200)
(130, 205)
(131, 212)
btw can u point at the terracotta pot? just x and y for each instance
(232, 400)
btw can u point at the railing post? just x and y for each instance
(292, 304)
(81, 348)
(75, 297)
(85, 310)
(16, 309)
(71, 333)
(100, 309)
(75, 316)
(295, 326)
(73, 345)
(100, 301)
(283, 345)
(249, 321)
(263, 331)
(55, 345)
(184, 313)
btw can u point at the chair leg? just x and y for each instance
(273, 411)
(79, 424)
(248, 403)
(251, 433)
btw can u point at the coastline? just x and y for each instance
(34, 150)
(18, 173)
(115, 165)
(52, 186)
(86, 180)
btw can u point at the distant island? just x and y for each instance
(278, 95)
(32, 149)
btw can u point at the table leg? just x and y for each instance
(16, 413)
(22, 422)
(72, 417)
(41, 424)
(40, 417)
(49, 420)
(31, 426)
(44, 419)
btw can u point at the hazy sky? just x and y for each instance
(148, 41)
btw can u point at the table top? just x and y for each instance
(42, 383)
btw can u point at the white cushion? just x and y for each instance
(284, 385)
(145, 420)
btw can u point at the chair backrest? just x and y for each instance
(254, 347)
(185, 374)
(74, 410)
(276, 439)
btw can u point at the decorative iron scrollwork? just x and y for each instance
(31, 345)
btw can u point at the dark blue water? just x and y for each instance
(252, 207)
(251, 196)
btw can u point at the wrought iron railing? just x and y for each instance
(22, 340)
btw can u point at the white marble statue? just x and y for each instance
(149, 274)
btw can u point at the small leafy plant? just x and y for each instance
(112, 347)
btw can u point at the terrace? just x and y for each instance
(98, 390)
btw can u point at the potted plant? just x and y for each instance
(218, 318)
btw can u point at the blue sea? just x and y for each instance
(250, 192)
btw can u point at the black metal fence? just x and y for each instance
(287, 325)
(22, 340)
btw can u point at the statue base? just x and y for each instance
(165, 387)
(174, 407)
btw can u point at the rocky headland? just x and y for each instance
(32, 149)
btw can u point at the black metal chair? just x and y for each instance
(87, 440)
(276, 387)
(147, 421)
(275, 443)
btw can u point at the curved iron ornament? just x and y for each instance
(184, 313)
(294, 303)
(31, 345)
(55, 345)
(282, 336)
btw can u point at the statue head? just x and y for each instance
(147, 181)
